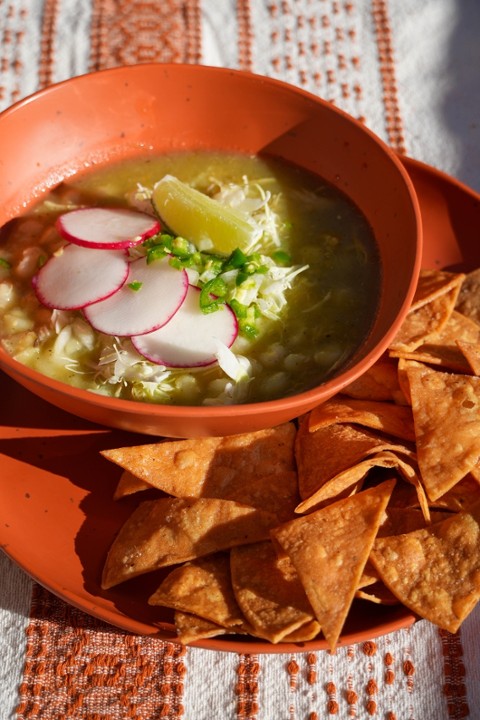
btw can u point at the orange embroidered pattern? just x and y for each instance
(11, 40)
(314, 45)
(77, 666)
(394, 125)
(455, 690)
(246, 688)
(45, 70)
(136, 31)
(245, 35)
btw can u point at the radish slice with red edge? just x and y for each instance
(78, 276)
(191, 337)
(107, 227)
(150, 296)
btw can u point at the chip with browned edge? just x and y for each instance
(421, 323)
(343, 483)
(442, 348)
(323, 454)
(191, 628)
(329, 550)
(211, 467)
(386, 417)
(201, 587)
(173, 530)
(268, 591)
(446, 411)
(434, 282)
(435, 297)
(379, 382)
(434, 571)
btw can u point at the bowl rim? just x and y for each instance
(313, 395)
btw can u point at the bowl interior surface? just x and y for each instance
(97, 119)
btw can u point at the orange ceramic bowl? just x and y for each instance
(127, 112)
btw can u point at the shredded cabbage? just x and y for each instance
(256, 287)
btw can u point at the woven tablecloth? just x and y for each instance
(409, 69)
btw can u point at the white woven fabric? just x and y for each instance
(331, 49)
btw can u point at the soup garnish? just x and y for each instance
(244, 279)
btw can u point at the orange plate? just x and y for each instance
(57, 517)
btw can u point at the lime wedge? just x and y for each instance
(204, 221)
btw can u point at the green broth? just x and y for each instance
(330, 306)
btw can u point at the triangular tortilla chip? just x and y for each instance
(169, 531)
(379, 383)
(432, 283)
(424, 321)
(321, 545)
(183, 464)
(323, 454)
(344, 481)
(434, 571)
(446, 411)
(201, 587)
(211, 467)
(442, 348)
(387, 417)
(191, 628)
(268, 591)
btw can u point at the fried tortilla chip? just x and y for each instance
(446, 411)
(183, 464)
(442, 348)
(306, 632)
(277, 492)
(169, 531)
(391, 419)
(268, 591)
(329, 550)
(468, 302)
(433, 283)
(338, 486)
(435, 571)
(201, 587)
(211, 467)
(128, 485)
(424, 321)
(191, 628)
(379, 382)
(325, 453)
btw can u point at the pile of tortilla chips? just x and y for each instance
(373, 495)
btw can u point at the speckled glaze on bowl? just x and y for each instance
(96, 119)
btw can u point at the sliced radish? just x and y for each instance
(79, 276)
(148, 299)
(106, 227)
(191, 338)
